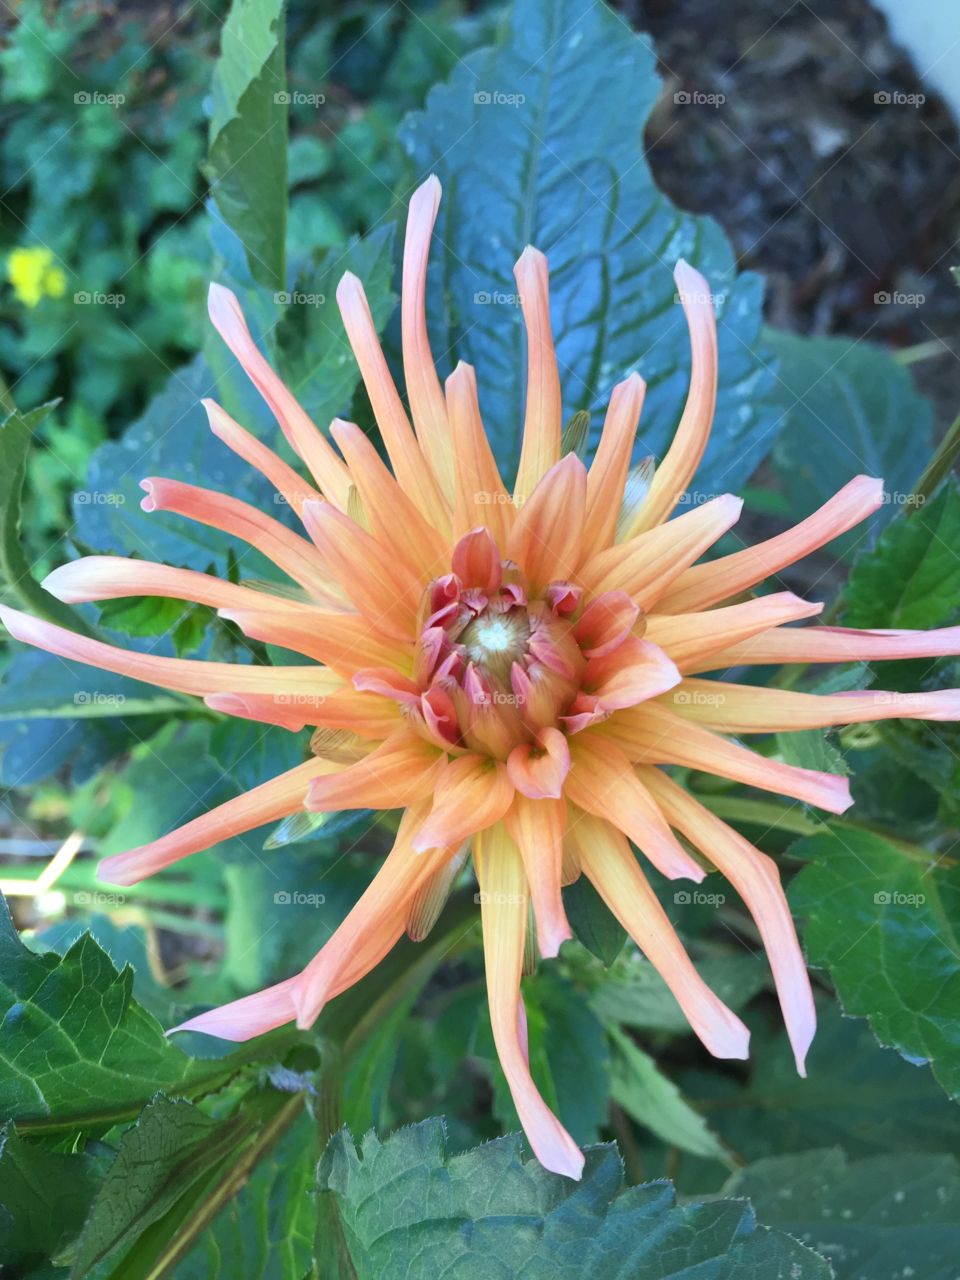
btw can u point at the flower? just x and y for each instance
(512, 671)
(34, 276)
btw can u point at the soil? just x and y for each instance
(833, 168)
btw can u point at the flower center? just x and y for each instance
(495, 640)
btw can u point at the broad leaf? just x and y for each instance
(885, 925)
(531, 148)
(247, 162)
(592, 921)
(80, 1053)
(848, 409)
(410, 1211)
(874, 1219)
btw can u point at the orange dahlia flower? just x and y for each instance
(510, 670)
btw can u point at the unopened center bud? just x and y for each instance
(495, 640)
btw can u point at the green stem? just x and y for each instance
(938, 466)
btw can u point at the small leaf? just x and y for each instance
(884, 924)
(649, 1098)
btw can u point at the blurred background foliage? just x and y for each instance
(122, 136)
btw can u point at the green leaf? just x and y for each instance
(540, 140)
(845, 407)
(649, 1098)
(16, 438)
(912, 577)
(79, 1052)
(811, 749)
(592, 921)
(885, 926)
(874, 1219)
(408, 1210)
(247, 161)
(44, 1199)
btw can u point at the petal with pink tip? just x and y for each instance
(677, 469)
(540, 450)
(291, 553)
(284, 479)
(692, 639)
(637, 670)
(476, 561)
(605, 623)
(306, 441)
(503, 905)
(113, 577)
(838, 644)
(269, 802)
(608, 862)
(479, 494)
(647, 565)
(185, 675)
(743, 708)
(756, 878)
(707, 584)
(655, 734)
(607, 477)
(424, 392)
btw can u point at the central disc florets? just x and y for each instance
(496, 639)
